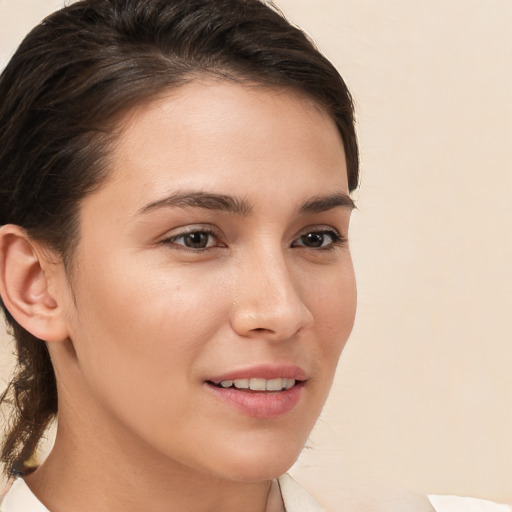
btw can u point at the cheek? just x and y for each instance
(334, 312)
(139, 338)
(142, 326)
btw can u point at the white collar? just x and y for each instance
(20, 498)
(461, 504)
(295, 497)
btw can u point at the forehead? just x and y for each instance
(207, 135)
(222, 103)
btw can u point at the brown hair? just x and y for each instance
(81, 68)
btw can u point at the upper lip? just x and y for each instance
(262, 371)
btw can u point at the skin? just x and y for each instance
(143, 320)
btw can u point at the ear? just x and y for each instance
(25, 275)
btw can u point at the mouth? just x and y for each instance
(257, 384)
(266, 395)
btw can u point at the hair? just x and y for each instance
(61, 94)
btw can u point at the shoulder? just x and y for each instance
(460, 504)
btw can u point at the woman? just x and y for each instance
(173, 251)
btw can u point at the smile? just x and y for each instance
(258, 384)
(262, 391)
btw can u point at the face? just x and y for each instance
(213, 285)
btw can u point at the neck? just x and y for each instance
(102, 469)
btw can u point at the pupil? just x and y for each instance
(196, 240)
(313, 239)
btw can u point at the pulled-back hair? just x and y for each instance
(72, 77)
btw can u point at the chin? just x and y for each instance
(265, 463)
(259, 472)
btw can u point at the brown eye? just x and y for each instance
(313, 239)
(194, 240)
(197, 240)
(318, 239)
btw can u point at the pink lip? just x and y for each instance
(260, 404)
(263, 371)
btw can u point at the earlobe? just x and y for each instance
(24, 286)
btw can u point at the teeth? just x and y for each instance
(258, 384)
(289, 383)
(275, 384)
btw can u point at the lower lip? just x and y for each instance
(260, 404)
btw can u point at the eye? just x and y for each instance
(319, 239)
(197, 239)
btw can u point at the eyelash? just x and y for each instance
(206, 231)
(336, 239)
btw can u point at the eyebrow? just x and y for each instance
(324, 203)
(238, 206)
(208, 201)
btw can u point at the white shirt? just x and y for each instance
(20, 498)
(460, 504)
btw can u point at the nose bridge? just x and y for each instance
(269, 299)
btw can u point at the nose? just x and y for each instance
(269, 303)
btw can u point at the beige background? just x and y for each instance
(423, 398)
